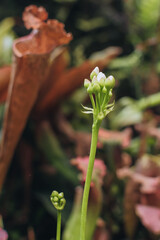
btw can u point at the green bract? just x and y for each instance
(100, 92)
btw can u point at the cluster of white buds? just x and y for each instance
(58, 200)
(99, 82)
(100, 91)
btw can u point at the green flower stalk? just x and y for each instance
(100, 92)
(58, 202)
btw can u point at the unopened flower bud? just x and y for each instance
(62, 201)
(104, 90)
(86, 83)
(94, 79)
(102, 82)
(54, 193)
(55, 199)
(101, 76)
(55, 204)
(110, 82)
(61, 195)
(100, 91)
(96, 87)
(58, 201)
(90, 89)
(94, 72)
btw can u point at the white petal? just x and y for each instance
(110, 77)
(96, 70)
(100, 75)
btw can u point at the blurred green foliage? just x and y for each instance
(7, 36)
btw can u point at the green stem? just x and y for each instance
(105, 100)
(58, 236)
(97, 102)
(95, 129)
(101, 99)
(92, 101)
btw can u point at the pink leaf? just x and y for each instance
(99, 170)
(150, 217)
(3, 234)
(123, 137)
(148, 185)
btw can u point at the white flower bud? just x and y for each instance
(96, 87)
(101, 76)
(94, 72)
(87, 83)
(110, 82)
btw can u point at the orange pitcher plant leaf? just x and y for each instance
(5, 73)
(34, 16)
(34, 56)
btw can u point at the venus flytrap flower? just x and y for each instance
(100, 92)
(58, 202)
